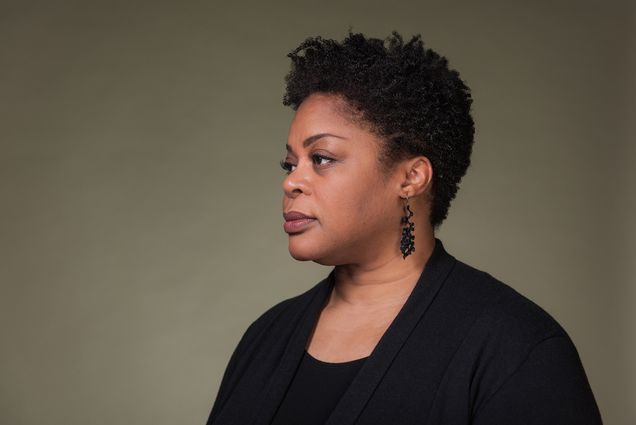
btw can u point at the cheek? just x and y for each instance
(339, 210)
(354, 201)
(358, 209)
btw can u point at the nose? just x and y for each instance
(296, 182)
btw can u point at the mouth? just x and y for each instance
(295, 226)
(296, 222)
(296, 215)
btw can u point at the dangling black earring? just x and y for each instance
(407, 244)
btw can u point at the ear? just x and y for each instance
(418, 176)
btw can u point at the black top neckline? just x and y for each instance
(331, 364)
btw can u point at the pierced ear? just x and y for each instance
(420, 174)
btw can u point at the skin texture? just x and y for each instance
(358, 227)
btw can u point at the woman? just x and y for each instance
(399, 332)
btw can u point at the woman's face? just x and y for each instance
(336, 179)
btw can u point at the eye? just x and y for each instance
(286, 165)
(321, 157)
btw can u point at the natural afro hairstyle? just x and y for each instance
(404, 92)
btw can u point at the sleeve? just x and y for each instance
(229, 377)
(550, 387)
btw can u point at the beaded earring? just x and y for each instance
(407, 244)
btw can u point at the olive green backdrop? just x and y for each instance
(140, 217)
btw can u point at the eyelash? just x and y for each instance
(285, 165)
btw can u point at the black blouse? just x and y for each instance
(315, 390)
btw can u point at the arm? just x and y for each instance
(549, 388)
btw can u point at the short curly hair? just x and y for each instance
(404, 92)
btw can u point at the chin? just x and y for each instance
(303, 248)
(310, 251)
(302, 252)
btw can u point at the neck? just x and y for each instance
(385, 283)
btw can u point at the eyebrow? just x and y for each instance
(311, 139)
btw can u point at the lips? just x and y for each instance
(296, 215)
(296, 222)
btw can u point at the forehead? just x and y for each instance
(326, 113)
(322, 107)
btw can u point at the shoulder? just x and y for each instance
(503, 310)
(520, 360)
(508, 331)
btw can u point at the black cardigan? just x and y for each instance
(465, 348)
